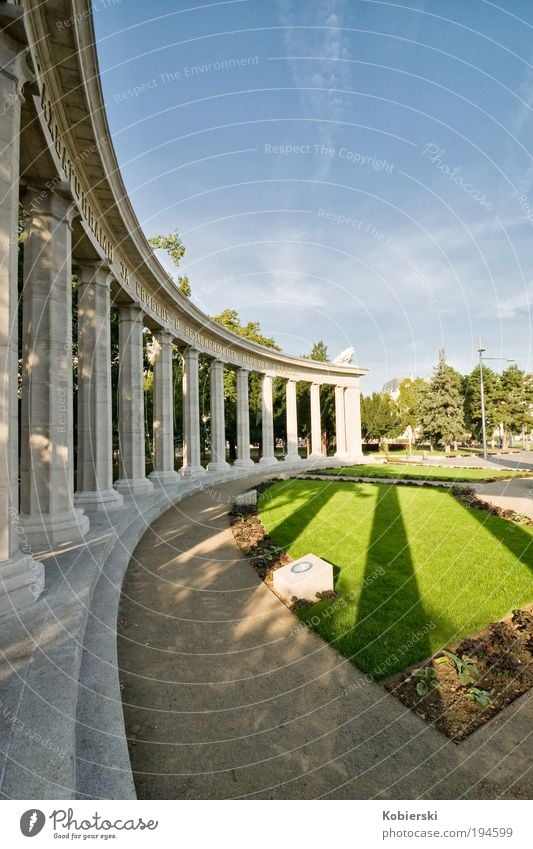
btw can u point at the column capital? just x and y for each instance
(130, 312)
(95, 271)
(14, 53)
(190, 352)
(53, 198)
(163, 337)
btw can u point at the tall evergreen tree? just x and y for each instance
(442, 418)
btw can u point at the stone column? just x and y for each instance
(292, 455)
(47, 451)
(191, 416)
(243, 421)
(218, 430)
(21, 577)
(316, 427)
(163, 430)
(352, 406)
(340, 423)
(95, 418)
(268, 456)
(132, 467)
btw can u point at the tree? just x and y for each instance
(172, 244)
(319, 353)
(515, 407)
(472, 401)
(230, 319)
(411, 395)
(184, 286)
(442, 417)
(379, 416)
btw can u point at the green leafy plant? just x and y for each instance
(481, 697)
(427, 680)
(268, 553)
(465, 667)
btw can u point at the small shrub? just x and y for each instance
(481, 697)
(427, 680)
(465, 667)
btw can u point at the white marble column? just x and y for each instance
(352, 406)
(340, 423)
(316, 427)
(292, 455)
(191, 416)
(21, 577)
(47, 452)
(243, 421)
(268, 456)
(132, 465)
(218, 425)
(163, 422)
(95, 418)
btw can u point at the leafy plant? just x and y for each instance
(427, 680)
(268, 553)
(465, 667)
(481, 697)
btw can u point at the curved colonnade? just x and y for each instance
(58, 161)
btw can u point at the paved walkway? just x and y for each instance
(226, 697)
(514, 495)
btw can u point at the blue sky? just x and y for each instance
(347, 170)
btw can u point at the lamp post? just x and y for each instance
(481, 351)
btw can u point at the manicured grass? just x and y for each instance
(415, 569)
(409, 471)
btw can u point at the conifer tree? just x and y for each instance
(442, 418)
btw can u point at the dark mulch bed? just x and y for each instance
(253, 540)
(503, 667)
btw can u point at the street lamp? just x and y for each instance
(481, 350)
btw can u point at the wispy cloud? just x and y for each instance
(322, 70)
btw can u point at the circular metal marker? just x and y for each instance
(304, 566)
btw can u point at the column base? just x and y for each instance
(21, 583)
(164, 478)
(219, 466)
(340, 455)
(99, 500)
(50, 529)
(268, 461)
(133, 486)
(315, 457)
(243, 464)
(292, 458)
(192, 472)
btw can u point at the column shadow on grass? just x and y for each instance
(391, 627)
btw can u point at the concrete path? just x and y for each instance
(226, 696)
(520, 460)
(514, 495)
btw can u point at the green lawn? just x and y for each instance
(414, 568)
(411, 472)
